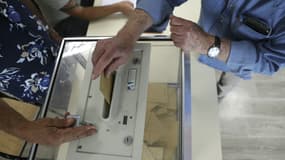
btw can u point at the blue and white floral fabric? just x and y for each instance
(27, 53)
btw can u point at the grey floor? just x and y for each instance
(253, 119)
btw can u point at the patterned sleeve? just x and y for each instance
(26, 61)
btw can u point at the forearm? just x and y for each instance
(10, 120)
(136, 25)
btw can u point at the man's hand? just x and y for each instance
(109, 54)
(126, 7)
(53, 132)
(189, 36)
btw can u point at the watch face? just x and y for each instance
(214, 52)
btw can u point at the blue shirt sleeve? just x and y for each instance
(159, 11)
(247, 57)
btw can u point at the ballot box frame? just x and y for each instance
(184, 91)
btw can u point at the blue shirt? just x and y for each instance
(250, 50)
(27, 54)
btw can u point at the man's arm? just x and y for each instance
(45, 131)
(111, 53)
(242, 57)
(191, 37)
(93, 13)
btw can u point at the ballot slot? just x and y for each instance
(125, 120)
(106, 110)
(106, 87)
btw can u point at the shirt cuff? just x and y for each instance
(159, 12)
(242, 59)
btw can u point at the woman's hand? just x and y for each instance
(53, 131)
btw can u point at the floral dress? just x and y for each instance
(27, 53)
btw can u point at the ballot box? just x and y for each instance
(141, 112)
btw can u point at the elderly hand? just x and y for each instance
(189, 36)
(53, 132)
(109, 54)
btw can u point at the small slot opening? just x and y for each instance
(106, 110)
(125, 120)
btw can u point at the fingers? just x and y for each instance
(97, 54)
(181, 32)
(56, 122)
(180, 26)
(176, 21)
(104, 61)
(54, 136)
(185, 26)
(71, 134)
(178, 41)
(114, 65)
(106, 54)
(178, 30)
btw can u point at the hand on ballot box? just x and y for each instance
(54, 131)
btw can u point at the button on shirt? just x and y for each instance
(251, 51)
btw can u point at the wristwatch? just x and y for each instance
(215, 48)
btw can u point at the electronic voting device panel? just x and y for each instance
(116, 105)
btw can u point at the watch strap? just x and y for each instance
(217, 42)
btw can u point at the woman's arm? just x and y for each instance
(93, 13)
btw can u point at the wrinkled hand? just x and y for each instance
(55, 131)
(188, 35)
(109, 54)
(126, 7)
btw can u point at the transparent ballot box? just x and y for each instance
(141, 112)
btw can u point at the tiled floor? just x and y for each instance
(253, 119)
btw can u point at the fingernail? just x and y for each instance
(91, 127)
